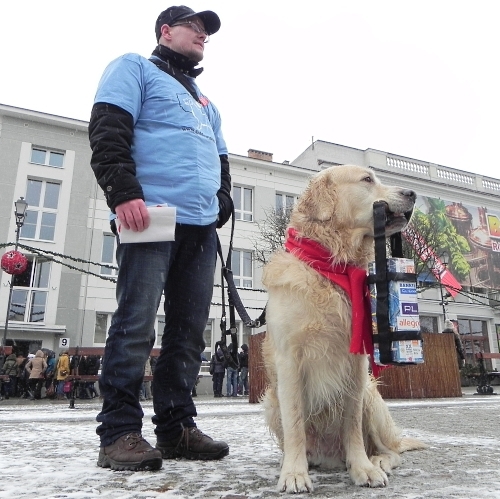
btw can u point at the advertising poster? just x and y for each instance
(468, 235)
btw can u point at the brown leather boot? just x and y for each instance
(130, 452)
(193, 444)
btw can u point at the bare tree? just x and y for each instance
(272, 233)
(417, 237)
(430, 236)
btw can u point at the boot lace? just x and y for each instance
(134, 439)
(188, 434)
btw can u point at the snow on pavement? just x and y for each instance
(49, 451)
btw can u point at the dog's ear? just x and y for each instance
(318, 200)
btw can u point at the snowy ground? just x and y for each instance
(49, 451)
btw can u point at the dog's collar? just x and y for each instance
(352, 279)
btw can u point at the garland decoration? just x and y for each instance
(59, 257)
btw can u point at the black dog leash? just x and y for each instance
(234, 302)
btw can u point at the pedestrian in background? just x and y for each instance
(232, 375)
(93, 366)
(22, 376)
(243, 358)
(62, 372)
(459, 348)
(36, 368)
(10, 368)
(217, 370)
(50, 374)
(146, 385)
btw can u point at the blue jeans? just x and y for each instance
(184, 271)
(232, 382)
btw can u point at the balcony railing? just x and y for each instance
(444, 174)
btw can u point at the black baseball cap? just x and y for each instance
(174, 14)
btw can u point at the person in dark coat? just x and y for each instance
(217, 370)
(243, 356)
(232, 373)
(93, 364)
(22, 377)
(50, 373)
(451, 328)
(10, 368)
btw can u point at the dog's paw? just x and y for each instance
(293, 483)
(369, 476)
(386, 462)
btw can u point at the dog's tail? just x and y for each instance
(408, 443)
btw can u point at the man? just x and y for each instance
(157, 140)
(450, 327)
(218, 371)
(243, 357)
(232, 374)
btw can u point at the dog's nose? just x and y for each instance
(409, 194)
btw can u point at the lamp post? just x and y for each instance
(20, 213)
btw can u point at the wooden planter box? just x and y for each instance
(437, 377)
(256, 370)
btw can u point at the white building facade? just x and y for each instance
(46, 160)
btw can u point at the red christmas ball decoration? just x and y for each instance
(14, 262)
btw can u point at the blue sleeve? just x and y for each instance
(122, 84)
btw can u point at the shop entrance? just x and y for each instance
(24, 347)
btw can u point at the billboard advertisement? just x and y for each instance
(468, 236)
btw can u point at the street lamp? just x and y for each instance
(20, 213)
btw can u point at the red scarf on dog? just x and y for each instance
(351, 279)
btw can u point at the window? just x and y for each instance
(474, 336)
(102, 323)
(160, 327)
(108, 254)
(247, 332)
(242, 268)
(243, 203)
(45, 157)
(207, 336)
(29, 293)
(428, 324)
(284, 201)
(42, 197)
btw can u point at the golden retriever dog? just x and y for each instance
(322, 406)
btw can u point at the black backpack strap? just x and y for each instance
(177, 75)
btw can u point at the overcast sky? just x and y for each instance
(419, 79)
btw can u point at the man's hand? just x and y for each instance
(133, 215)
